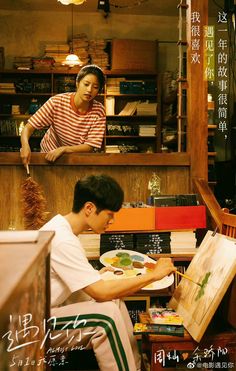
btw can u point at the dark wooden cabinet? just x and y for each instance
(24, 303)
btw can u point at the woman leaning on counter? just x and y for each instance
(76, 122)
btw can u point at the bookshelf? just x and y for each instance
(132, 109)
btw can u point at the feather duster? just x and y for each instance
(33, 204)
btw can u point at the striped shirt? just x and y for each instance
(68, 127)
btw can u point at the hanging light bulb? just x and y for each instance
(68, 2)
(72, 59)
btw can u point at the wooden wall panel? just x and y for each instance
(197, 131)
(58, 184)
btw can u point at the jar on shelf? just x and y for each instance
(34, 106)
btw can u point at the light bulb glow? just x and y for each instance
(68, 2)
(72, 60)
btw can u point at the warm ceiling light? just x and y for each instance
(68, 2)
(72, 60)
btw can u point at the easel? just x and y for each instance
(207, 331)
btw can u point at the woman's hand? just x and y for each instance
(55, 154)
(25, 154)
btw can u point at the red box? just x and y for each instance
(134, 219)
(180, 217)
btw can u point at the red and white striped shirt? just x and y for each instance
(67, 127)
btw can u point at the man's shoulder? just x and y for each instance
(58, 224)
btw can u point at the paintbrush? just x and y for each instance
(189, 278)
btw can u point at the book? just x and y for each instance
(165, 316)
(129, 109)
(158, 329)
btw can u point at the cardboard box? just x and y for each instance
(136, 55)
(180, 217)
(134, 219)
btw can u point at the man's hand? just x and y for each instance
(164, 267)
(55, 154)
(106, 269)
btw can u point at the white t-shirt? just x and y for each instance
(70, 269)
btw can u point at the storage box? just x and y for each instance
(130, 54)
(134, 219)
(180, 217)
(131, 87)
(138, 87)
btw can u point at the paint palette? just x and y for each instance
(128, 263)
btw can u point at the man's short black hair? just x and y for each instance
(102, 190)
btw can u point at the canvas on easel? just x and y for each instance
(214, 266)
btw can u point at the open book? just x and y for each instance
(129, 109)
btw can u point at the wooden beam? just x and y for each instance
(197, 131)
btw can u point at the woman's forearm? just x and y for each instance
(26, 134)
(78, 148)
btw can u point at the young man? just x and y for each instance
(99, 322)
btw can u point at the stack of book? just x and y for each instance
(65, 84)
(43, 63)
(22, 63)
(7, 88)
(112, 148)
(116, 242)
(153, 243)
(98, 54)
(58, 52)
(114, 129)
(180, 242)
(110, 106)
(147, 109)
(80, 46)
(147, 130)
(183, 242)
(8, 127)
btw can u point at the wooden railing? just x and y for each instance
(214, 211)
(226, 224)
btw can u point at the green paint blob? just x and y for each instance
(203, 286)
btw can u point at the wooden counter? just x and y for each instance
(133, 172)
(101, 159)
(25, 290)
